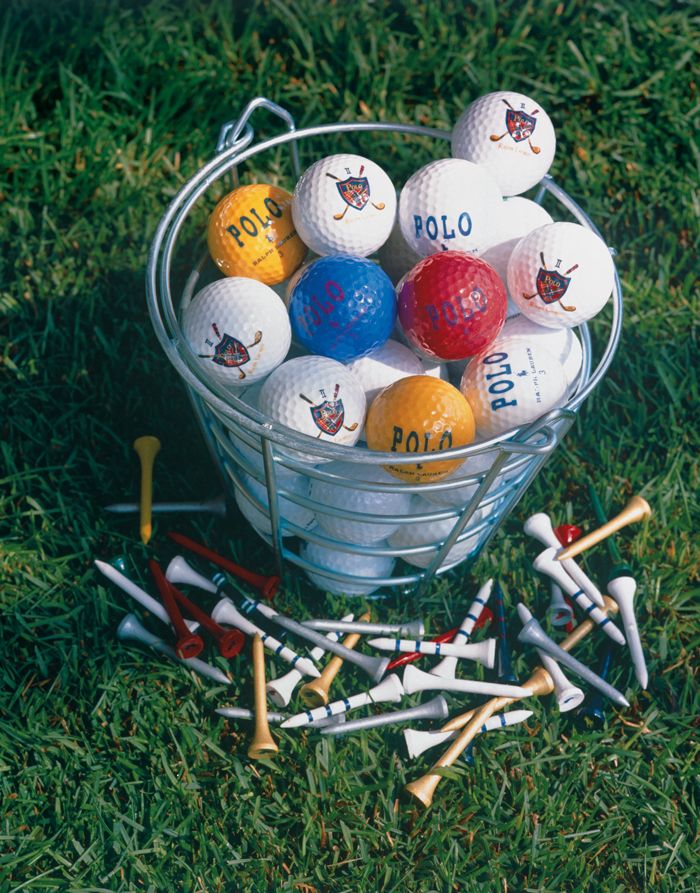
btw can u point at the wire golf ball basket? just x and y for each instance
(270, 468)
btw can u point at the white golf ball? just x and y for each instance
(373, 503)
(460, 496)
(239, 329)
(561, 343)
(396, 257)
(508, 134)
(560, 275)
(383, 366)
(370, 566)
(253, 458)
(519, 216)
(431, 533)
(511, 385)
(449, 204)
(290, 511)
(344, 204)
(317, 396)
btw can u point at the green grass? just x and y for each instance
(116, 772)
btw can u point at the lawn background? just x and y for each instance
(116, 773)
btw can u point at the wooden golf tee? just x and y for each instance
(637, 509)
(263, 744)
(147, 449)
(315, 692)
(540, 684)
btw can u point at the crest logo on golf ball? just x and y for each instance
(354, 191)
(552, 285)
(519, 125)
(229, 351)
(328, 415)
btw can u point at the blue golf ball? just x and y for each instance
(342, 307)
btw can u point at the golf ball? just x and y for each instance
(449, 204)
(251, 233)
(239, 330)
(383, 366)
(509, 135)
(317, 396)
(519, 216)
(373, 503)
(419, 414)
(342, 307)
(458, 497)
(561, 275)
(423, 533)
(451, 305)
(344, 204)
(395, 256)
(251, 491)
(511, 384)
(561, 343)
(368, 566)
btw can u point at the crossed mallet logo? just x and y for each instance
(328, 415)
(551, 285)
(230, 352)
(520, 126)
(354, 191)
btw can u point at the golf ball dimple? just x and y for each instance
(290, 511)
(563, 344)
(370, 566)
(519, 216)
(561, 275)
(374, 503)
(451, 305)
(251, 233)
(510, 136)
(344, 204)
(383, 366)
(239, 330)
(511, 384)
(317, 396)
(430, 533)
(458, 497)
(396, 257)
(342, 307)
(419, 414)
(449, 204)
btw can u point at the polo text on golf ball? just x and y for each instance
(344, 204)
(419, 414)
(449, 204)
(251, 233)
(510, 136)
(239, 330)
(561, 275)
(451, 305)
(342, 307)
(512, 384)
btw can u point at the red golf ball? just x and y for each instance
(452, 305)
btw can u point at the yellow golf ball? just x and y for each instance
(251, 233)
(420, 414)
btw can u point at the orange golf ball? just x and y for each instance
(420, 414)
(251, 233)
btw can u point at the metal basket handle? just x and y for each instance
(239, 134)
